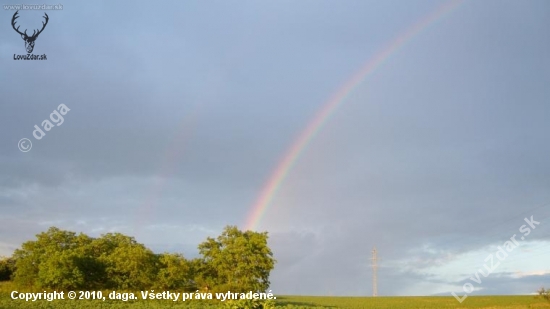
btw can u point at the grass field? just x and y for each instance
(299, 302)
(288, 302)
(493, 302)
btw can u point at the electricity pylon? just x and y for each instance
(374, 273)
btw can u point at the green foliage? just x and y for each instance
(237, 261)
(174, 273)
(7, 267)
(65, 261)
(62, 260)
(128, 264)
(50, 260)
(204, 275)
(59, 270)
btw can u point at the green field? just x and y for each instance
(493, 302)
(288, 302)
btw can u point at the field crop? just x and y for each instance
(298, 302)
(290, 302)
(487, 302)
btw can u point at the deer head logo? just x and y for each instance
(29, 40)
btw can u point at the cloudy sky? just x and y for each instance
(180, 113)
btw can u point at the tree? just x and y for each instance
(62, 260)
(7, 267)
(237, 261)
(204, 275)
(59, 270)
(174, 272)
(128, 264)
(47, 261)
(544, 293)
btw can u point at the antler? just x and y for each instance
(43, 26)
(13, 24)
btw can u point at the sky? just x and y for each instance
(180, 113)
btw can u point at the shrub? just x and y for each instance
(544, 293)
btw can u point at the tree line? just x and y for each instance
(235, 261)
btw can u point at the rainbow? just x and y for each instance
(167, 169)
(291, 156)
